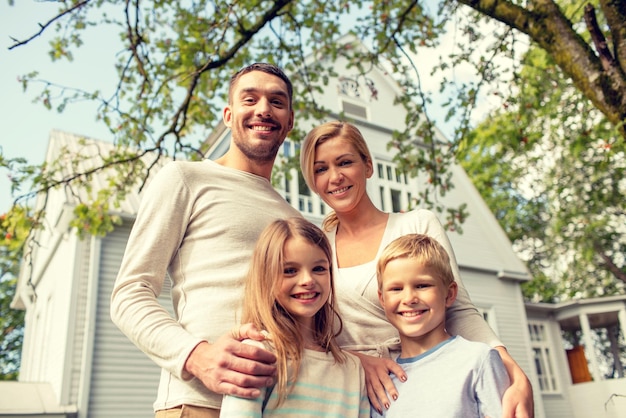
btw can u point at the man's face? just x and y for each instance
(260, 115)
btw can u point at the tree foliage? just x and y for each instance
(551, 168)
(176, 58)
(15, 226)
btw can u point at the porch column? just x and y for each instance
(589, 347)
(317, 205)
(621, 319)
(621, 316)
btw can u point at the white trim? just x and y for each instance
(66, 383)
(90, 328)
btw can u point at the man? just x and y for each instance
(199, 221)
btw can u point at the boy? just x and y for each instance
(448, 376)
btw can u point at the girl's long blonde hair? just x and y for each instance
(261, 307)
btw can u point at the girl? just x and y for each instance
(336, 163)
(289, 293)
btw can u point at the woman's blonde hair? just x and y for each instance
(319, 135)
(262, 308)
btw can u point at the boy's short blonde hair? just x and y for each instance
(423, 249)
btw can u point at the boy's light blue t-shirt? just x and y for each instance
(457, 378)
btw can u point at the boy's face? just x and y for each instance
(415, 300)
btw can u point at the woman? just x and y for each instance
(336, 163)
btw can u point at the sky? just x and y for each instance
(25, 126)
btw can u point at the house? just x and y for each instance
(576, 378)
(76, 363)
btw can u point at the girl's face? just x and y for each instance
(306, 280)
(340, 174)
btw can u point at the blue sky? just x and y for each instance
(25, 126)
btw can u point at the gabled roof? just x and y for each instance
(77, 153)
(483, 244)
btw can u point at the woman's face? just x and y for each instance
(340, 174)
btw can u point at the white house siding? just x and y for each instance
(50, 319)
(79, 336)
(558, 405)
(37, 304)
(380, 109)
(123, 379)
(503, 300)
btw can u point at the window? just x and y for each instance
(305, 204)
(396, 206)
(542, 357)
(489, 315)
(395, 192)
(287, 148)
(303, 188)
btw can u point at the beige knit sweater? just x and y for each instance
(198, 222)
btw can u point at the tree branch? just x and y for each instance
(552, 31)
(610, 265)
(615, 14)
(179, 120)
(135, 39)
(599, 41)
(43, 27)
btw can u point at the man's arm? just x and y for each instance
(518, 399)
(231, 367)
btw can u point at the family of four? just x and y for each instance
(274, 316)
